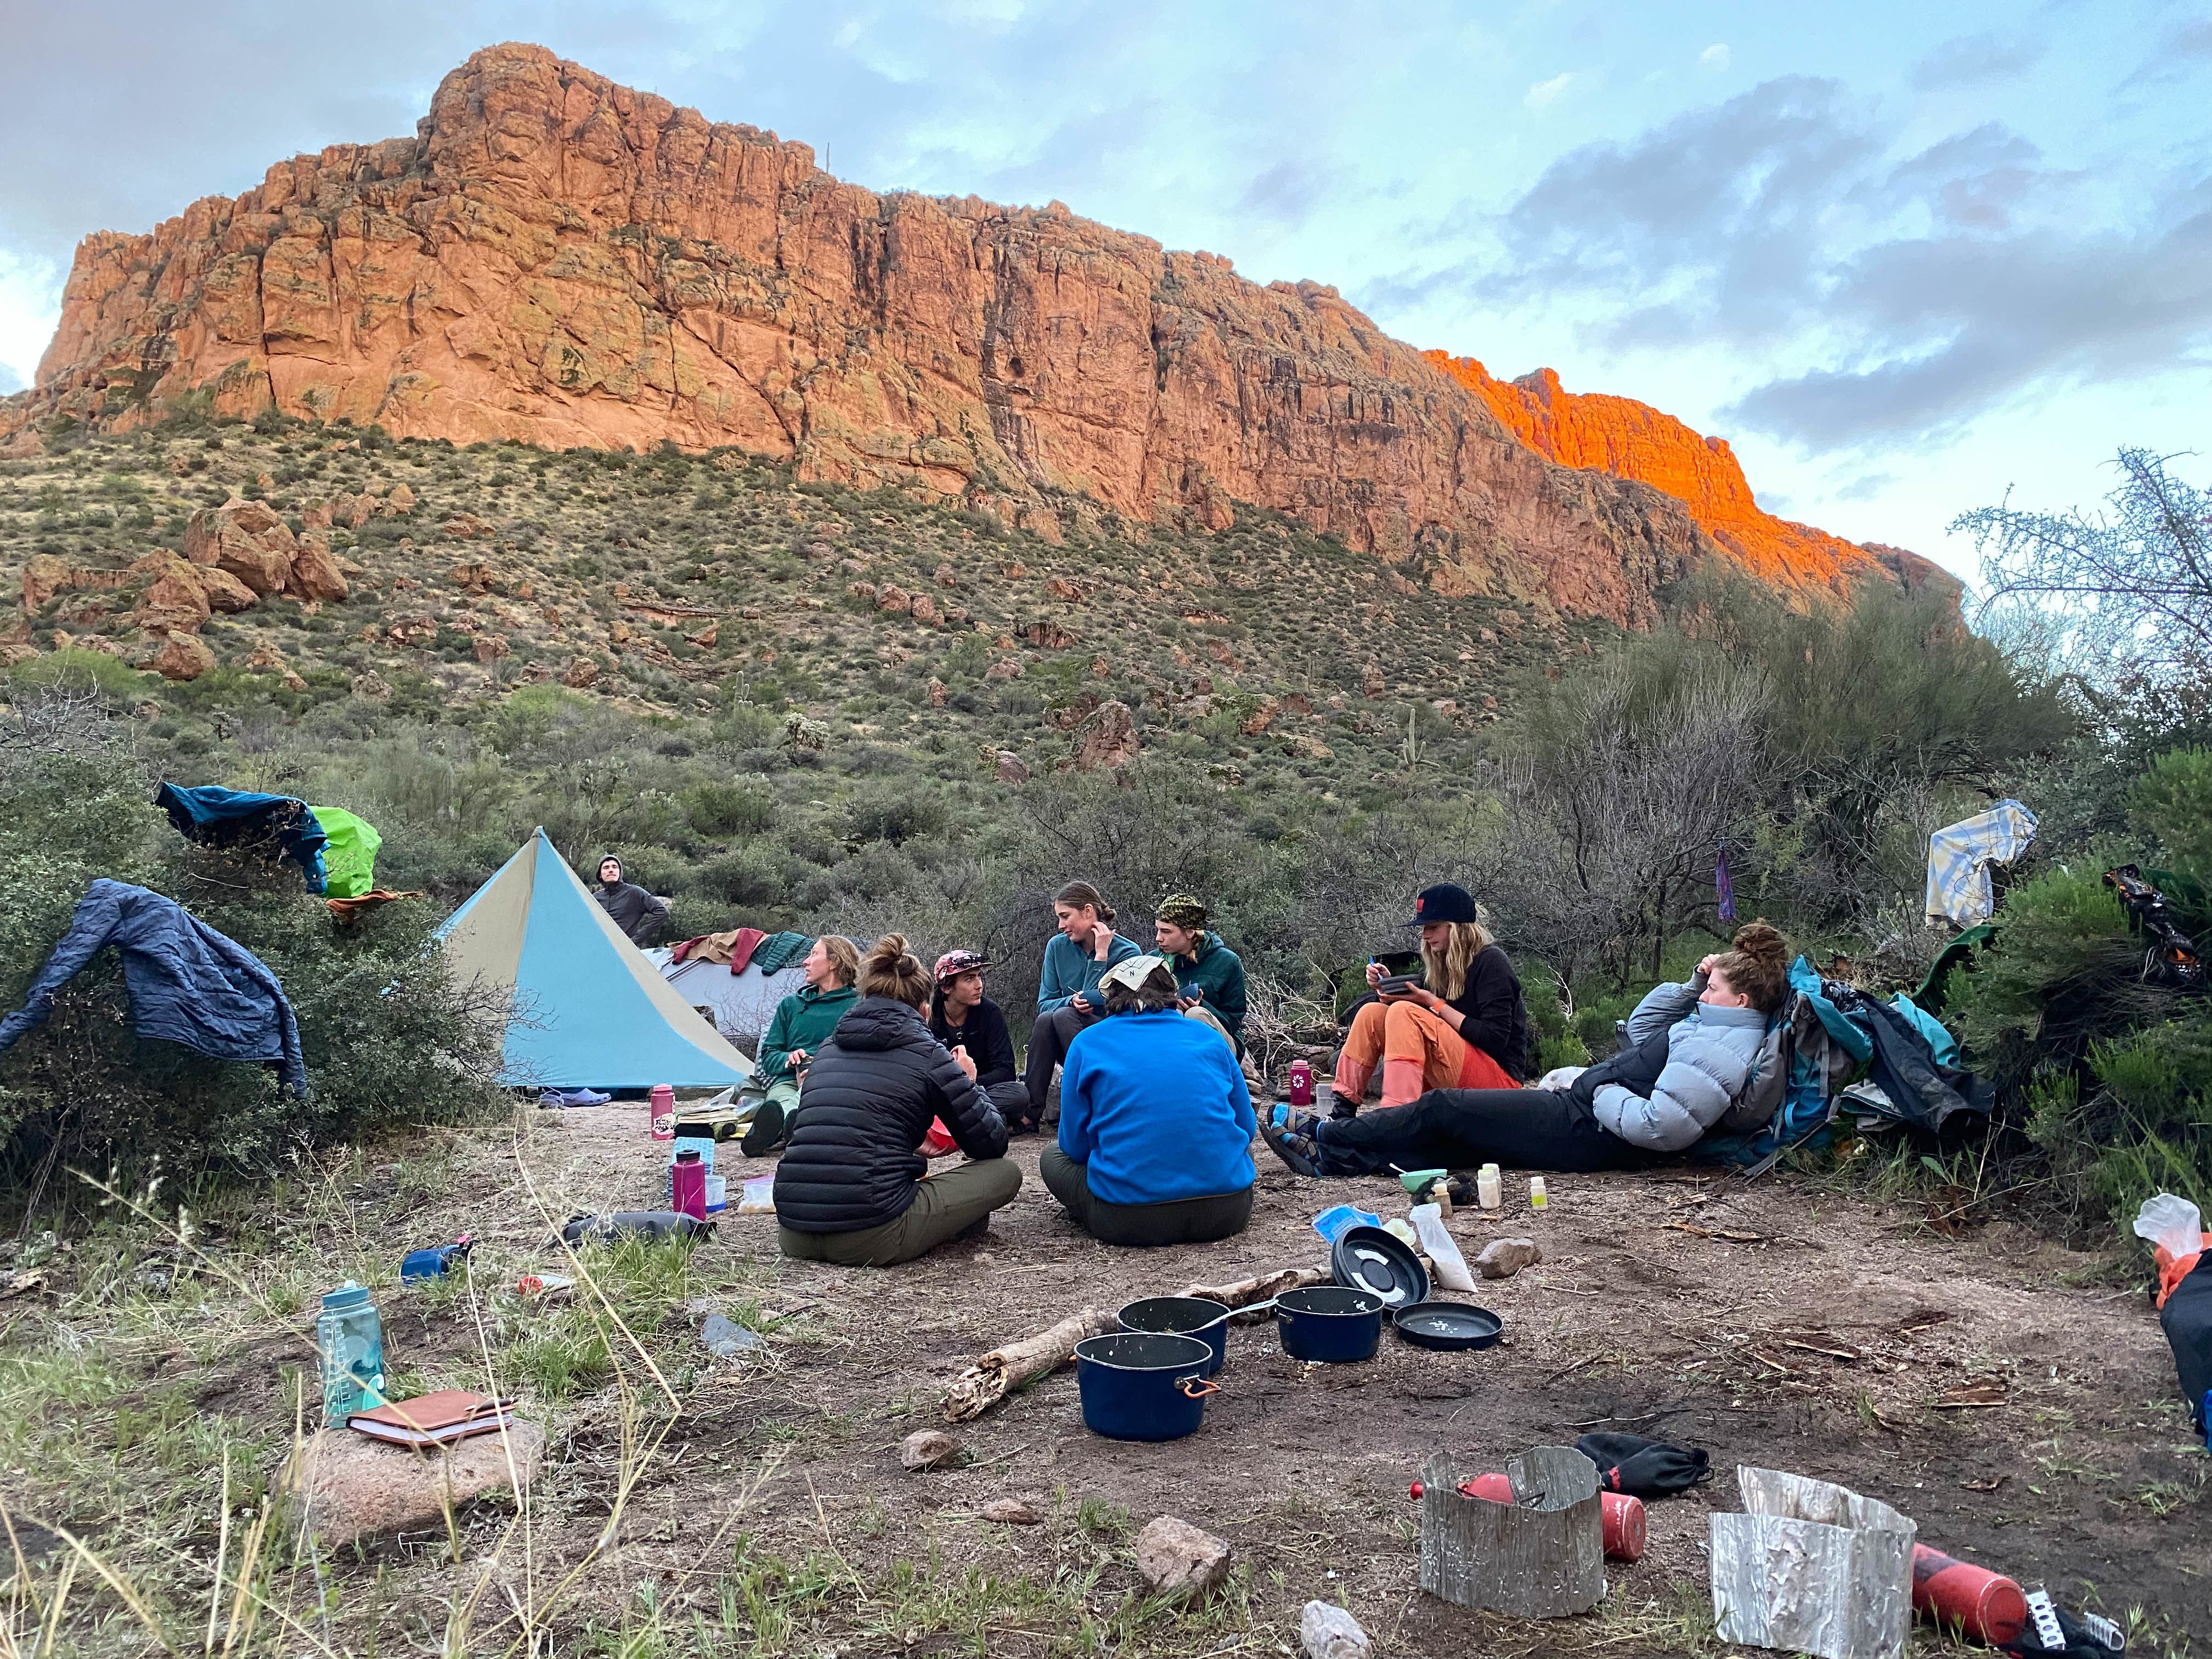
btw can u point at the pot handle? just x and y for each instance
(1196, 1387)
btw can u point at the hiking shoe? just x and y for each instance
(1295, 1146)
(765, 1134)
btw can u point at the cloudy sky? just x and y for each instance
(1905, 257)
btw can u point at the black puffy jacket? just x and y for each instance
(867, 1102)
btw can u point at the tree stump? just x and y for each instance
(1540, 1557)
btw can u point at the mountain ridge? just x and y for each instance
(557, 259)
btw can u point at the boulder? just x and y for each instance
(245, 538)
(44, 576)
(1013, 1512)
(176, 601)
(400, 503)
(315, 574)
(1176, 1558)
(467, 526)
(580, 674)
(1008, 768)
(925, 611)
(1371, 682)
(372, 687)
(356, 1489)
(1261, 718)
(936, 692)
(490, 647)
(182, 657)
(1108, 739)
(895, 599)
(1006, 668)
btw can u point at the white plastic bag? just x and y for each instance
(1444, 1250)
(2172, 1222)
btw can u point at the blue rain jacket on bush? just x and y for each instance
(188, 983)
(215, 816)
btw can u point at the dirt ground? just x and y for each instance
(1773, 1323)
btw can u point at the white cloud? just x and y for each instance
(30, 305)
(1714, 57)
(1545, 91)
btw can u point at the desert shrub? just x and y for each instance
(751, 874)
(729, 809)
(385, 1033)
(2171, 807)
(895, 814)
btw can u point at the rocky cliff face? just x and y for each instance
(556, 258)
(1629, 440)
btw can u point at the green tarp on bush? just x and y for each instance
(350, 853)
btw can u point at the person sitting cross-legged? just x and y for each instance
(801, 1024)
(1703, 1055)
(1464, 1026)
(964, 1019)
(1155, 1122)
(853, 1188)
(1083, 948)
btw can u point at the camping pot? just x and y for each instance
(1330, 1324)
(1141, 1385)
(1183, 1315)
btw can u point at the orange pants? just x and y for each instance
(1419, 1052)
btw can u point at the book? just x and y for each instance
(434, 1420)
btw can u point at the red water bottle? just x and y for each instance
(1620, 1516)
(662, 1105)
(688, 1186)
(1982, 1606)
(1301, 1083)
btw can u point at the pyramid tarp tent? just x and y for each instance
(590, 1010)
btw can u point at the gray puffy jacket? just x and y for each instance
(1713, 1053)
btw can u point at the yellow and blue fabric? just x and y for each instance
(1959, 856)
(214, 817)
(589, 1010)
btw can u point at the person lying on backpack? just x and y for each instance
(1696, 1050)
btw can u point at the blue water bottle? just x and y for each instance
(350, 1338)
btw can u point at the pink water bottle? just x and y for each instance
(1301, 1083)
(663, 1107)
(688, 1187)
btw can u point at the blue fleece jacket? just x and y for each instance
(1068, 970)
(1154, 1105)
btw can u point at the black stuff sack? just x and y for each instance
(1644, 1468)
(2187, 1319)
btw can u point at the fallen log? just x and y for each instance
(1000, 1371)
(1243, 1293)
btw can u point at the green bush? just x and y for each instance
(2170, 804)
(729, 809)
(386, 1034)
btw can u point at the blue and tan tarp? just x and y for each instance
(588, 1009)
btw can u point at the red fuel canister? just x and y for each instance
(1620, 1516)
(1983, 1606)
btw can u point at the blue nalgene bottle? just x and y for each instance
(350, 1340)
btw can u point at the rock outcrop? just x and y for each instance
(1629, 440)
(557, 259)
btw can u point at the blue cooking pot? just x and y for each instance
(1143, 1386)
(1329, 1323)
(1183, 1315)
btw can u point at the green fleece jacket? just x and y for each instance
(1217, 971)
(803, 1020)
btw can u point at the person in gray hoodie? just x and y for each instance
(1700, 1054)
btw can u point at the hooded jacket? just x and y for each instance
(867, 1102)
(1218, 972)
(635, 911)
(1711, 1056)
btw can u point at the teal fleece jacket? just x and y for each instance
(804, 1020)
(1218, 972)
(1068, 970)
